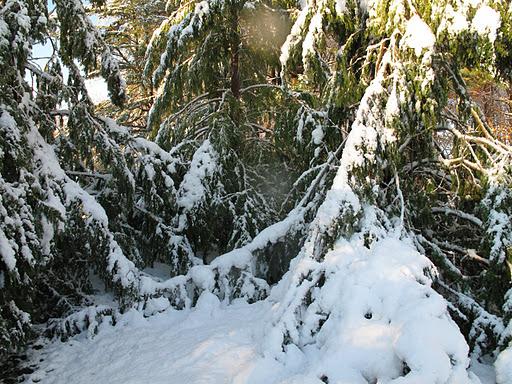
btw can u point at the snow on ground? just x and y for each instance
(211, 344)
(219, 343)
(159, 271)
(208, 344)
(485, 372)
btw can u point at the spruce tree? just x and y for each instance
(83, 197)
(214, 71)
(128, 28)
(395, 179)
(54, 234)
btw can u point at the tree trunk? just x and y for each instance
(235, 56)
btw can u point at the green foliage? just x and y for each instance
(130, 28)
(504, 42)
(414, 151)
(53, 232)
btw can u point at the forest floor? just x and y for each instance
(208, 344)
(211, 343)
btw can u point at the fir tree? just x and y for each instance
(395, 179)
(54, 234)
(214, 71)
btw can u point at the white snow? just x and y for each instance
(202, 9)
(293, 37)
(315, 29)
(498, 225)
(340, 7)
(178, 34)
(203, 276)
(192, 190)
(503, 366)
(159, 271)
(486, 22)
(48, 233)
(418, 36)
(209, 344)
(384, 313)
(382, 316)
(97, 89)
(123, 270)
(378, 311)
(7, 253)
(155, 305)
(457, 21)
(365, 132)
(7, 122)
(4, 34)
(485, 371)
(317, 135)
(392, 107)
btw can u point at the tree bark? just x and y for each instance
(235, 56)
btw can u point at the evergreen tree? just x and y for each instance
(53, 232)
(395, 178)
(215, 71)
(81, 195)
(128, 30)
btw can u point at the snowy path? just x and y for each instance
(204, 345)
